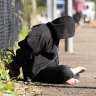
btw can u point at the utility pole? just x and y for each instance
(51, 9)
(51, 12)
(69, 41)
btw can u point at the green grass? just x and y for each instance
(24, 31)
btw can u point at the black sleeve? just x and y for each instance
(36, 43)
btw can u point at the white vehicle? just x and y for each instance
(89, 11)
(60, 7)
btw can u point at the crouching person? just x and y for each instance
(38, 54)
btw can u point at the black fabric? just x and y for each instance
(54, 74)
(39, 48)
(23, 54)
(64, 27)
(43, 48)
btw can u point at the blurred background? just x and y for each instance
(18, 16)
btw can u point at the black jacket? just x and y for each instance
(38, 49)
(40, 46)
(44, 48)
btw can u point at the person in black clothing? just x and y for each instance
(38, 55)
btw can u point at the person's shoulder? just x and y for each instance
(40, 30)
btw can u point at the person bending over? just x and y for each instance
(38, 55)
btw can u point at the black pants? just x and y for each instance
(54, 74)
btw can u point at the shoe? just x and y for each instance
(13, 70)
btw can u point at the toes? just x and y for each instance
(78, 70)
(81, 69)
(72, 81)
(76, 81)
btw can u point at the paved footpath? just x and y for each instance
(84, 55)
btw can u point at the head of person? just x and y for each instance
(64, 27)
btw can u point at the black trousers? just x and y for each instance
(54, 74)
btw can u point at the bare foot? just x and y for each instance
(78, 70)
(72, 81)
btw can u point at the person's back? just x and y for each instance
(44, 49)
